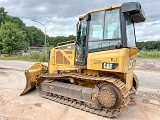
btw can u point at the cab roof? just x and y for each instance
(101, 9)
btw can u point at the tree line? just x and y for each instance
(149, 45)
(16, 36)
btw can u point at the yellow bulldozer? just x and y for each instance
(93, 73)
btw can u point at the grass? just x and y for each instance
(35, 57)
(148, 54)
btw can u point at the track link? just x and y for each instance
(109, 113)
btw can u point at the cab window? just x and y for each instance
(131, 39)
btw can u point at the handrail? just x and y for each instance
(67, 42)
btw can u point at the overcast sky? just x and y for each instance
(61, 16)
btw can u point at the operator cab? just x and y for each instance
(108, 28)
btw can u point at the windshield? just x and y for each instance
(104, 29)
(96, 26)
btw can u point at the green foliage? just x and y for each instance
(149, 45)
(11, 38)
(34, 36)
(54, 40)
(149, 49)
(3, 15)
(35, 57)
(10, 34)
(17, 21)
(147, 54)
(38, 57)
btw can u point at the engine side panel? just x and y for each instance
(61, 59)
(120, 61)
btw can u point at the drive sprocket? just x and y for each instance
(107, 96)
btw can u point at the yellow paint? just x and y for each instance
(95, 60)
(91, 72)
(120, 56)
(32, 74)
(64, 43)
(53, 66)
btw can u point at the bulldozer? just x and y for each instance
(93, 73)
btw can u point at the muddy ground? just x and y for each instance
(146, 106)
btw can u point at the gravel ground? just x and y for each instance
(146, 106)
(148, 64)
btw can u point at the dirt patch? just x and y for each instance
(149, 95)
(2, 73)
(148, 64)
(38, 104)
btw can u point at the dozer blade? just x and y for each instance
(31, 76)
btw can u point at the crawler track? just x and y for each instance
(79, 104)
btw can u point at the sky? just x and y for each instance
(60, 16)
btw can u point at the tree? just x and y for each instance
(71, 37)
(3, 14)
(34, 36)
(17, 21)
(54, 40)
(149, 45)
(12, 38)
